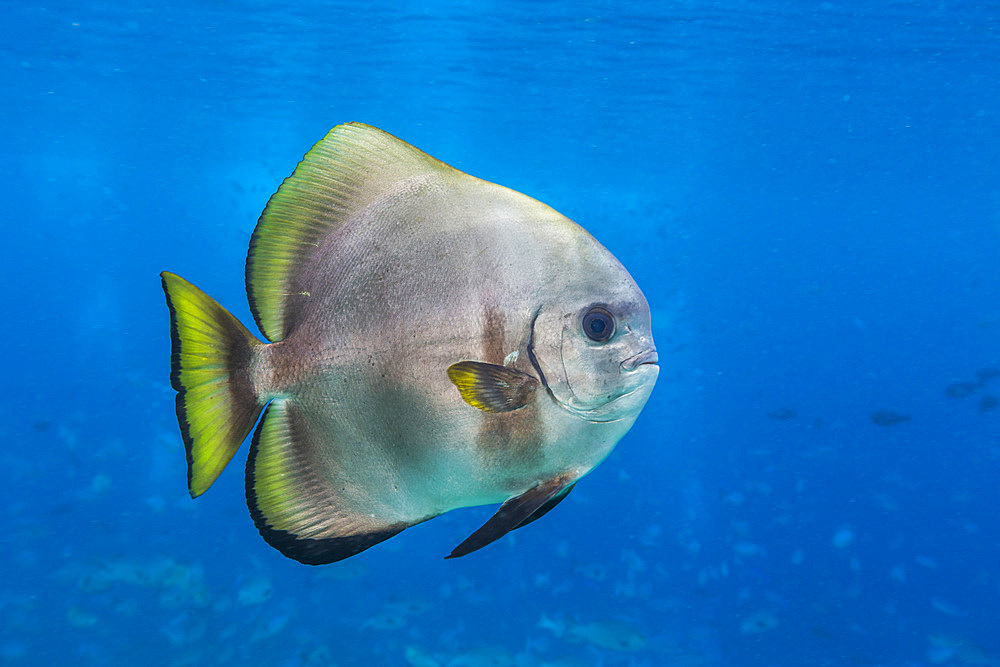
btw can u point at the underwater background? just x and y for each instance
(808, 193)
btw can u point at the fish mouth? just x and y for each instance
(644, 357)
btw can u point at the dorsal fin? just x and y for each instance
(351, 167)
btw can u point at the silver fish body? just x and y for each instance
(439, 342)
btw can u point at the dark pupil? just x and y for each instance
(599, 325)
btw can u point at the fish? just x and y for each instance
(255, 591)
(487, 656)
(950, 648)
(961, 389)
(758, 622)
(429, 341)
(888, 418)
(844, 537)
(609, 634)
(984, 375)
(418, 657)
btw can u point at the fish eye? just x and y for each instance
(598, 324)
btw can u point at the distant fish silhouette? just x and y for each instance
(888, 418)
(986, 374)
(988, 403)
(782, 414)
(961, 389)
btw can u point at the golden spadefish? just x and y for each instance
(433, 341)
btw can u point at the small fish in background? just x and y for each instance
(418, 657)
(435, 341)
(269, 625)
(593, 571)
(952, 649)
(758, 622)
(78, 618)
(844, 537)
(255, 591)
(961, 389)
(613, 635)
(488, 656)
(561, 661)
(746, 549)
(387, 619)
(888, 418)
(984, 375)
(395, 615)
(946, 607)
(782, 414)
(988, 402)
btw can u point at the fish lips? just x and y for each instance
(636, 360)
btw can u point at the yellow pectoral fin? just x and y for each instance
(492, 388)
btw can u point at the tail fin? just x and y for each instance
(209, 368)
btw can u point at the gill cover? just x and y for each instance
(597, 379)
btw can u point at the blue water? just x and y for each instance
(808, 194)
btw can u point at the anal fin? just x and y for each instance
(301, 505)
(515, 512)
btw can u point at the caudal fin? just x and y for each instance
(209, 369)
